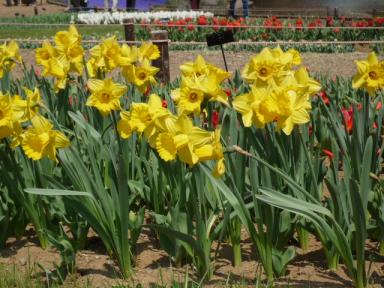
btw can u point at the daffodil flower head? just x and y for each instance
(148, 51)
(6, 118)
(141, 75)
(41, 140)
(293, 107)
(9, 56)
(124, 126)
(201, 67)
(263, 68)
(370, 74)
(250, 106)
(107, 54)
(105, 95)
(25, 110)
(190, 100)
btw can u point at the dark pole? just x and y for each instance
(225, 61)
(131, 5)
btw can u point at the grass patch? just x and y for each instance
(49, 32)
(53, 18)
(29, 276)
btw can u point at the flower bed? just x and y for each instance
(271, 29)
(119, 17)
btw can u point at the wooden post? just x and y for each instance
(336, 14)
(129, 30)
(160, 38)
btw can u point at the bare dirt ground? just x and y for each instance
(43, 8)
(340, 64)
(153, 266)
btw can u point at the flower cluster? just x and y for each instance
(38, 140)
(370, 74)
(9, 56)
(135, 62)
(172, 136)
(200, 82)
(64, 58)
(278, 93)
(119, 17)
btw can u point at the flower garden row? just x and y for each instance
(270, 29)
(194, 26)
(195, 160)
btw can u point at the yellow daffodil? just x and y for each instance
(219, 168)
(249, 106)
(124, 126)
(302, 77)
(263, 69)
(201, 67)
(6, 119)
(105, 56)
(66, 57)
(27, 109)
(105, 95)
(291, 106)
(147, 117)
(66, 39)
(129, 55)
(148, 51)
(141, 76)
(9, 56)
(45, 53)
(370, 74)
(41, 140)
(188, 100)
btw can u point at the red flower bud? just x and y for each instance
(215, 119)
(328, 153)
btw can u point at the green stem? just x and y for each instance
(333, 261)
(381, 248)
(124, 256)
(303, 235)
(235, 235)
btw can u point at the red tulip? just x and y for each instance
(328, 153)
(228, 92)
(215, 119)
(325, 98)
(202, 20)
(348, 118)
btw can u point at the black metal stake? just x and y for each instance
(225, 61)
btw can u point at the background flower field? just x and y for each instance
(231, 178)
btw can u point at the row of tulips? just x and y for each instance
(270, 29)
(96, 143)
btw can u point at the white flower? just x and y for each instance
(119, 17)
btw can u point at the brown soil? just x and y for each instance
(341, 64)
(25, 11)
(153, 266)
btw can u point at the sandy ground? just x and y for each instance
(341, 64)
(153, 266)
